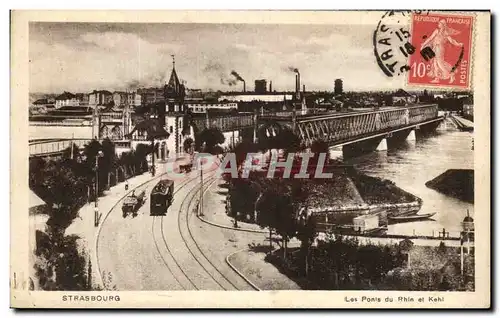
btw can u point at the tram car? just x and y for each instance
(161, 197)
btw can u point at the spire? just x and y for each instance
(174, 79)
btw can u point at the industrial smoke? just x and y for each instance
(239, 78)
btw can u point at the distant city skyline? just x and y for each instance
(81, 57)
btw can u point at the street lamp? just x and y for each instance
(100, 154)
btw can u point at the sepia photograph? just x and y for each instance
(203, 153)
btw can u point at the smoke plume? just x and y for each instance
(153, 80)
(217, 69)
(237, 76)
(293, 69)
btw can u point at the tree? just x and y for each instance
(306, 233)
(266, 207)
(275, 210)
(108, 162)
(188, 143)
(211, 137)
(72, 152)
(278, 137)
(140, 161)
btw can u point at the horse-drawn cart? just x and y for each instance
(132, 203)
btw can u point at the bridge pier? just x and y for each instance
(382, 145)
(363, 147)
(401, 137)
(411, 136)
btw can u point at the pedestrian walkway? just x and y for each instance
(83, 226)
(214, 209)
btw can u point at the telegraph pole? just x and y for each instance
(201, 189)
(96, 207)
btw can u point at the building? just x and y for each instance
(338, 88)
(151, 95)
(134, 99)
(83, 99)
(200, 107)
(260, 86)
(67, 99)
(175, 114)
(402, 97)
(100, 98)
(174, 93)
(114, 124)
(248, 97)
(120, 99)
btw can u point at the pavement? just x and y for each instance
(83, 226)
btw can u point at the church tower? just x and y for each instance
(174, 92)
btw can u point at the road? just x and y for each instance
(172, 252)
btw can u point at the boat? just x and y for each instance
(409, 218)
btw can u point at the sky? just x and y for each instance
(81, 57)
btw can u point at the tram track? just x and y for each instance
(188, 240)
(193, 246)
(183, 257)
(169, 251)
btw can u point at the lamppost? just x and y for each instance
(100, 154)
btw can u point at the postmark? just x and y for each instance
(444, 46)
(392, 42)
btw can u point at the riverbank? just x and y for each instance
(457, 183)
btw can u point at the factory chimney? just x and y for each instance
(296, 82)
(304, 88)
(244, 87)
(297, 86)
(271, 86)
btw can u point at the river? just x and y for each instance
(414, 163)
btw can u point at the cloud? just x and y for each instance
(99, 61)
(82, 59)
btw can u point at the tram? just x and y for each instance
(161, 197)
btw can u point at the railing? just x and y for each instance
(225, 123)
(61, 123)
(54, 146)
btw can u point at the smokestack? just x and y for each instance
(303, 88)
(244, 87)
(296, 83)
(271, 86)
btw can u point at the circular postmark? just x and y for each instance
(392, 42)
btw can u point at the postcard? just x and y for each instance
(250, 159)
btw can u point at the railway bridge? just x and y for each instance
(354, 131)
(357, 131)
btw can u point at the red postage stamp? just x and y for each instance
(443, 43)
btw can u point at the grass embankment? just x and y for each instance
(458, 183)
(375, 190)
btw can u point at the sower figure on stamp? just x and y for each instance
(439, 68)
